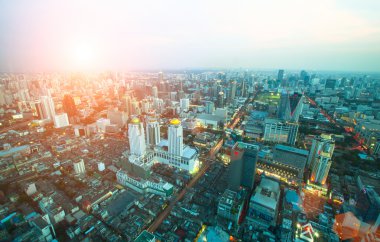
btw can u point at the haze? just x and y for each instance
(47, 35)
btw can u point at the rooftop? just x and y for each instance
(145, 236)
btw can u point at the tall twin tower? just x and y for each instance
(136, 136)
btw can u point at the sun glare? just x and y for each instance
(82, 56)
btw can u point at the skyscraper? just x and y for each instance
(280, 77)
(290, 106)
(175, 135)
(319, 160)
(242, 168)
(69, 105)
(136, 137)
(184, 104)
(48, 108)
(233, 90)
(221, 100)
(152, 132)
(155, 91)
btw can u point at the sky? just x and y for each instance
(122, 35)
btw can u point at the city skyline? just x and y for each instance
(43, 36)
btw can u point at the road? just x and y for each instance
(165, 213)
(333, 121)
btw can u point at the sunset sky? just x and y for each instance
(48, 35)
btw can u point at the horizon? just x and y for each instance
(71, 36)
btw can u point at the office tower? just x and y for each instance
(278, 131)
(152, 132)
(61, 120)
(305, 77)
(244, 89)
(242, 168)
(79, 167)
(181, 93)
(280, 75)
(184, 104)
(175, 135)
(128, 105)
(232, 90)
(38, 109)
(48, 108)
(155, 92)
(290, 106)
(136, 137)
(69, 105)
(320, 158)
(209, 107)
(220, 100)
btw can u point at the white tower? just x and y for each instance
(152, 132)
(175, 135)
(184, 103)
(136, 137)
(320, 162)
(48, 108)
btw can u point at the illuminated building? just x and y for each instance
(287, 164)
(242, 168)
(369, 133)
(316, 147)
(152, 132)
(136, 137)
(175, 135)
(322, 151)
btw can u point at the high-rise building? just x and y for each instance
(155, 92)
(136, 137)
(290, 106)
(242, 168)
(278, 131)
(69, 105)
(221, 100)
(184, 104)
(48, 107)
(152, 132)
(320, 156)
(280, 76)
(233, 90)
(264, 203)
(175, 136)
(61, 120)
(209, 107)
(79, 167)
